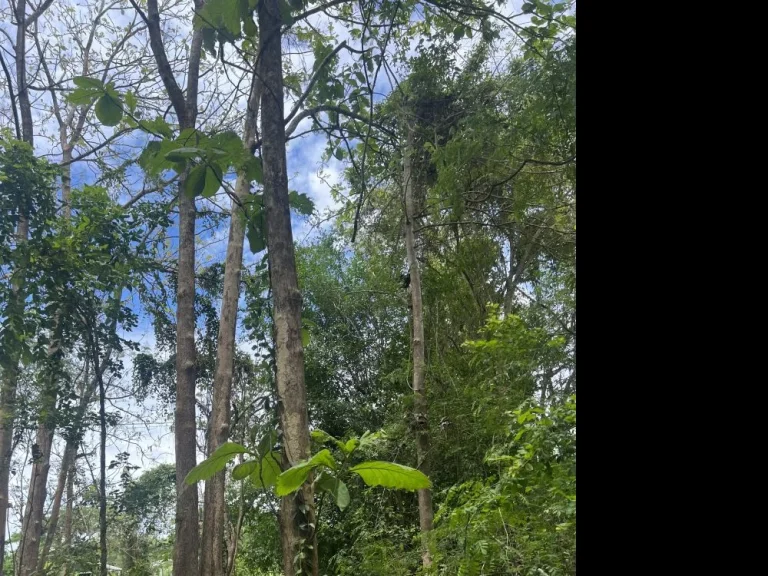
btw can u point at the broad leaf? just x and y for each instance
(391, 475)
(293, 478)
(254, 170)
(108, 110)
(349, 446)
(335, 488)
(244, 469)
(130, 101)
(255, 234)
(184, 153)
(305, 337)
(215, 462)
(195, 182)
(88, 83)
(301, 203)
(265, 474)
(322, 436)
(213, 180)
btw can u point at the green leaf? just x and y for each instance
(242, 471)
(254, 170)
(349, 446)
(108, 110)
(335, 488)
(267, 443)
(305, 337)
(255, 234)
(209, 39)
(157, 126)
(230, 15)
(301, 203)
(215, 462)
(249, 27)
(458, 32)
(267, 472)
(391, 475)
(195, 182)
(86, 82)
(181, 154)
(82, 96)
(130, 100)
(322, 436)
(293, 478)
(213, 180)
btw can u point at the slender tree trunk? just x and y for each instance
(420, 406)
(11, 365)
(66, 464)
(102, 465)
(67, 544)
(213, 556)
(10, 379)
(185, 550)
(297, 513)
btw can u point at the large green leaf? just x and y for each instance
(184, 153)
(244, 469)
(195, 182)
(322, 436)
(335, 488)
(265, 474)
(254, 170)
(301, 203)
(255, 233)
(391, 475)
(213, 180)
(88, 83)
(108, 110)
(215, 462)
(292, 479)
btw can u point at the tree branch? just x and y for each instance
(313, 80)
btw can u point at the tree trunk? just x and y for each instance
(68, 519)
(213, 556)
(102, 465)
(185, 550)
(11, 366)
(420, 406)
(297, 512)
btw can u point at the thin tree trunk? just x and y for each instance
(11, 366)
(213, 557)
(66, 462)
(185, 550)
(102, 464)
(297, 512)
(420, 406)
(68, 519)
(8, 405)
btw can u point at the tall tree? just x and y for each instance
(212, 553)
(185, 552)
(297, 513)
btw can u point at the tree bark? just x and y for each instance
(11, 366)
(420, 405)
(68, 519)
(297, 512)
(213, 555)
(185, 550)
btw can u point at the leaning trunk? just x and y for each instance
(297, 512)
(420, 422)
